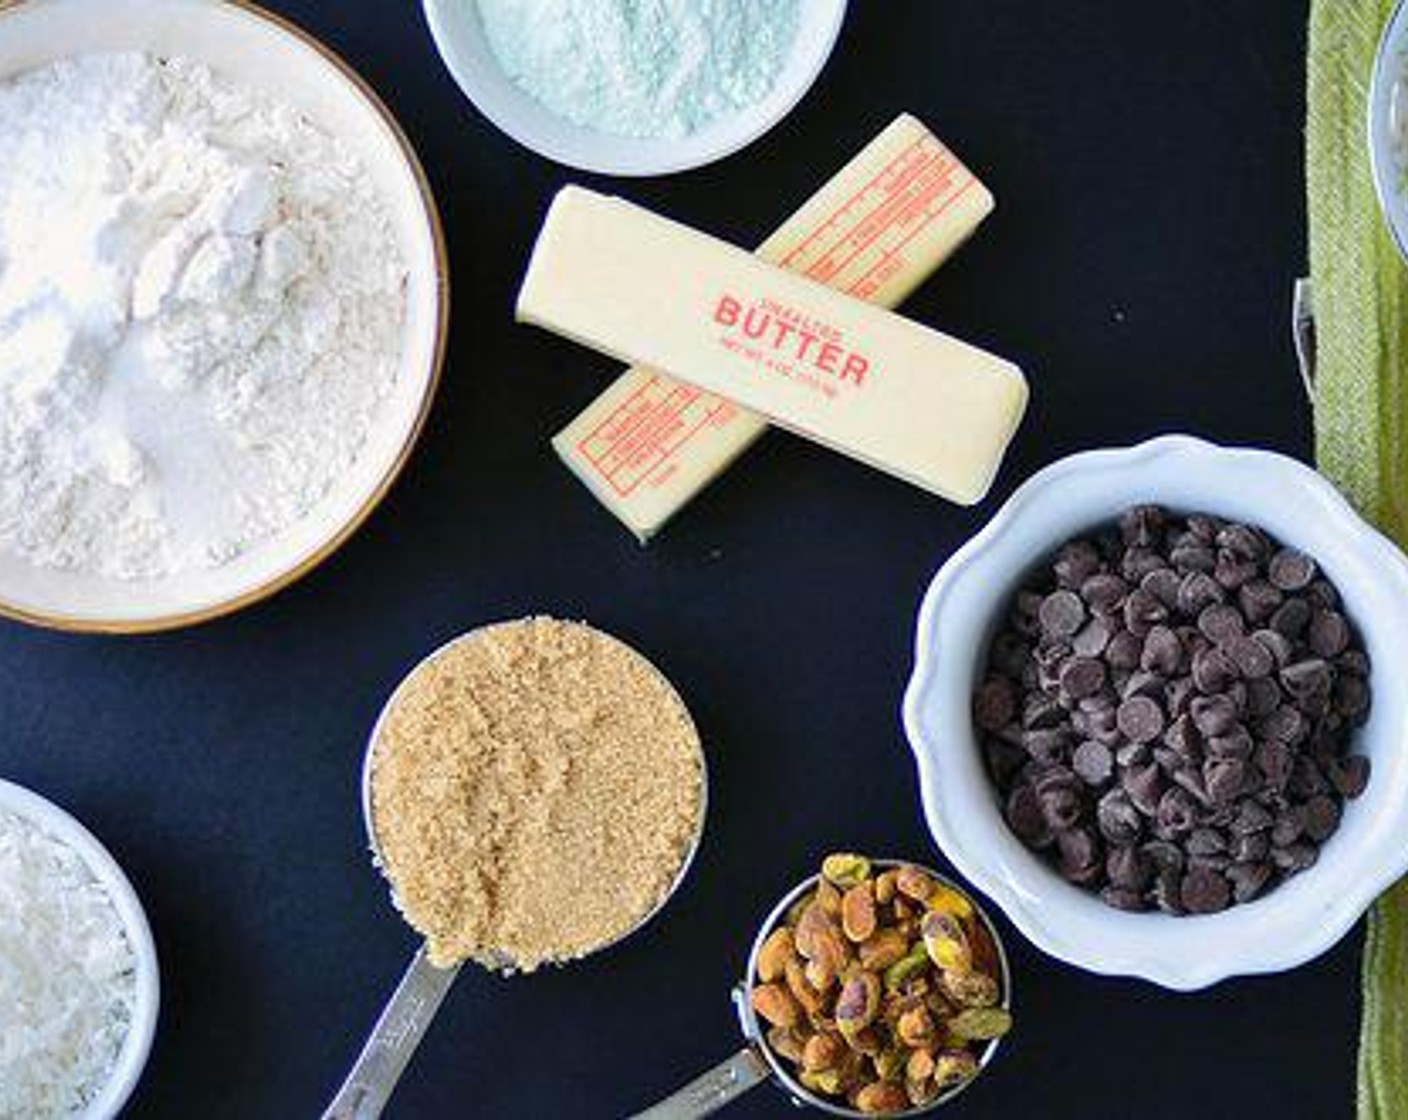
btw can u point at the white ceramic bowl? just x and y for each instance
(262, 50)
(1388, 125)
(1289, 925)
(459, 35)
(136, 1048)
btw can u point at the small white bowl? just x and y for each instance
(1300, 918)
(264, 51)
(137, 1046)
(1388, 125)
(459, 36)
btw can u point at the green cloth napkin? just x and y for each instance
(1361, 412)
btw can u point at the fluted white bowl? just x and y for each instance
(1297, 920)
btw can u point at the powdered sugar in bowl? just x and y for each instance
(551, 103)
(215, 365)
(80, 968)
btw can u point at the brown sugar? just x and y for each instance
(536, 789)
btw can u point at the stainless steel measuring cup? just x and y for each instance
(412, 1006)
(757, 1062)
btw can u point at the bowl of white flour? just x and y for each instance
(624, 88)
(223, 304)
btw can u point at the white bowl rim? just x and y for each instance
(137, 1046)
(1382, 162)
(285, 575)
(646, 157)
(1294, 938)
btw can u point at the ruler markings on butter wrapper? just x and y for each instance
(886, 221)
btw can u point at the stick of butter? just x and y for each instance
(877, 229)
(861, 380)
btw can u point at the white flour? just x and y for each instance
(201, 304)
(645, 68)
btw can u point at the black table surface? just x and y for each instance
(1147, 161)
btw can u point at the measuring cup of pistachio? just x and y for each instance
(876, 988)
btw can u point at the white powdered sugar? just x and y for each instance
(68, 987)
(201, 310)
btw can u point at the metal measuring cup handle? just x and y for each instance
(705, 1095)
(403, 1023)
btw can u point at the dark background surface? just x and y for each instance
(1146, 158)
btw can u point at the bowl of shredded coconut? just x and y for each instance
(223, 307)
(79, 984)
(624, 88)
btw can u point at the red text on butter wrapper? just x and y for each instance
(791, 343)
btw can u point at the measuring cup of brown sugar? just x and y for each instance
(876, 988)
(481, 731)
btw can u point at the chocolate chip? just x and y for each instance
(1092, 639)
(1322, 817)
(1177, 812)
(1120, 822)
(1306, 678)
(1080, 855)
(1142, 611)
(1285, 725)
(1141, 720)
(1251, 849)
(1329, 633)
(1093, 763)
(1206, 842)
(1291, 570)
(1120, 899)
(1162, 651)
(1291, 618)
(1145, 785)
(1213, 671)
(1179, 695)
(1124, 650)
(1214, 715)
(1082, 677)
(1251, 817)
(1162, 584)
(1205, 892)
(1189, 558)
(1235, 742)
(1226, 778)
(1243, 541)
(1139, 562)
(1258, 599)
(1025, 818)
(1061, 614)
(1233, 571)
(1143, 684)
(1351, 775)
(1294, 857)
(1252, 659)
(995, 704)
(1276, 644)
(1104, 592)
(1075, 563)
(1263, 697)
(1184, 738)
(1221, 624)
(1351, 696)
(1128, 868)
(1248, 879)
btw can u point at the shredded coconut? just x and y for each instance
(201, 303)
(644, 68)
(68, 984)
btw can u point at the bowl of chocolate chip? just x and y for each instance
(1152, 713)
